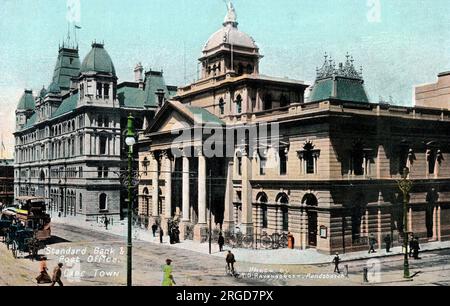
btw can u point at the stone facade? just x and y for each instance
(6, 182)
(436, 95)
(69, 142)
(328, 174)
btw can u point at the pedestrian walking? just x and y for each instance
(372, 242)
(387, 242)
(221, 242)
(411, 245)
(106, 222)
(161, 235)
(230, 260)
(168, 279)
(57, 273)
(416, 248)
(336, 261)
(43, 277)
(154, 229)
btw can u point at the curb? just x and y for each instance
(321, 262)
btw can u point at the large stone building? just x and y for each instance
(329, 176)
(435, 95)
(69, 137)
(6, 182)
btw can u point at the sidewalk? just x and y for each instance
(280, 256)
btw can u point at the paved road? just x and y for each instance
(102, 259)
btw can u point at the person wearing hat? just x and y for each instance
(336, 262)
(168, 279)
(57, 273)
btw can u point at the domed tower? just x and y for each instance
(97, 81)
(25, 109)
(229, 50)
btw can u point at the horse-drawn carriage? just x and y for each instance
(26, 228)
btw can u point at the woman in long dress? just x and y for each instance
(43, 277)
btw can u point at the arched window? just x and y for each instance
(239, 163)
(238, 103)
(431, 160)
(146, 202)
(103, 205)
(262, 199)
(221, 106)
(267, 102)
(283, 200)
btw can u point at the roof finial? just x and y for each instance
(231, 17)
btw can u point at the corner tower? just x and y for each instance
(97, 81)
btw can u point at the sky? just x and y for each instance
(399, 43)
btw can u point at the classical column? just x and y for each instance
(304, 229)
(435, 223)
(247, 223)
(155, 183)
(185, 189)
(229, 208)
(201, 188)
(379, 238)
(168, 186)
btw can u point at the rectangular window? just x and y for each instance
(106, 91)
(99, 90)
(283, 162)
(81, 145)
(102, 145)
(99, 172)
(105, 172)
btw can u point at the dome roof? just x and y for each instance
(26, 102)
(230, 34)
(98, 60)
(54, 88)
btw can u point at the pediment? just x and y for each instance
(174, 121)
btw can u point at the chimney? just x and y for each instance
(138, 75)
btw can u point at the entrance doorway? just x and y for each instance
(312, 228)
(311, 202)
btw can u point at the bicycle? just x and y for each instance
(229, 272)
(266, 241)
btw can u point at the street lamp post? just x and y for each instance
(130, 141)
(405, 186)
